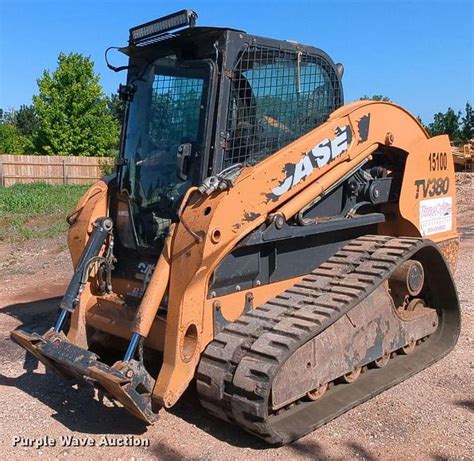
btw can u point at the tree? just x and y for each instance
(376, 97)
(11, 142)
(26, 120)
(467, 130)
(116, 107)
(73, 118)
(6, 116)
(446, 123)
(418, 117)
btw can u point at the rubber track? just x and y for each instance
(237, 369)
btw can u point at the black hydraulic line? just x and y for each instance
(102, 228)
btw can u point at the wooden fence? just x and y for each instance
(52, 170)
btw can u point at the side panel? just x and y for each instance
(92, 205)
(428, 196)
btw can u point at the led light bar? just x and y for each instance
(160, 26)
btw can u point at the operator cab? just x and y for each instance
(202, 99)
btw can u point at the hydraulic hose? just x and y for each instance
(102, 228)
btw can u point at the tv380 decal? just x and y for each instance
(432, 187)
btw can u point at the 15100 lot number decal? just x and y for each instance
(438, 161)
(431, 187)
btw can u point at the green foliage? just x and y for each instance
(14, 138)
(116, 107)
(108, 167)
(72, 111)
(11, 141)
(467, 130)
(26, 120)
(39, 198)
(6, 116)
(375, 97)
(36, 210)
(446, 123)
(459, 128)
(421, 122)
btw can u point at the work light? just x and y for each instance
(160, 26)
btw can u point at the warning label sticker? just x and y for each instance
(436, 215)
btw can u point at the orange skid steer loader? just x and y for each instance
(289, 253)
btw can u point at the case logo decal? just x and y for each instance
(320, 155)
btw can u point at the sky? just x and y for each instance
(419, 52)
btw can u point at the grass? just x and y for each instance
(38, 210)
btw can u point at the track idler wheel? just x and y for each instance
(412, 306)
(352, 376)
(409, 276)
(406, 281)
(415, 304)
(317, 393)
(382, 361)
(409, 348)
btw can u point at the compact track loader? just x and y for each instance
(291, 254)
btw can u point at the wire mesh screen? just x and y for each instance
(276, 96)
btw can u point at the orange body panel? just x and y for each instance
(426, 180)
(92, 205)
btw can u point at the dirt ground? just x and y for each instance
(429, 416)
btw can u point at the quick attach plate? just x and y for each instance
(127, 382)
